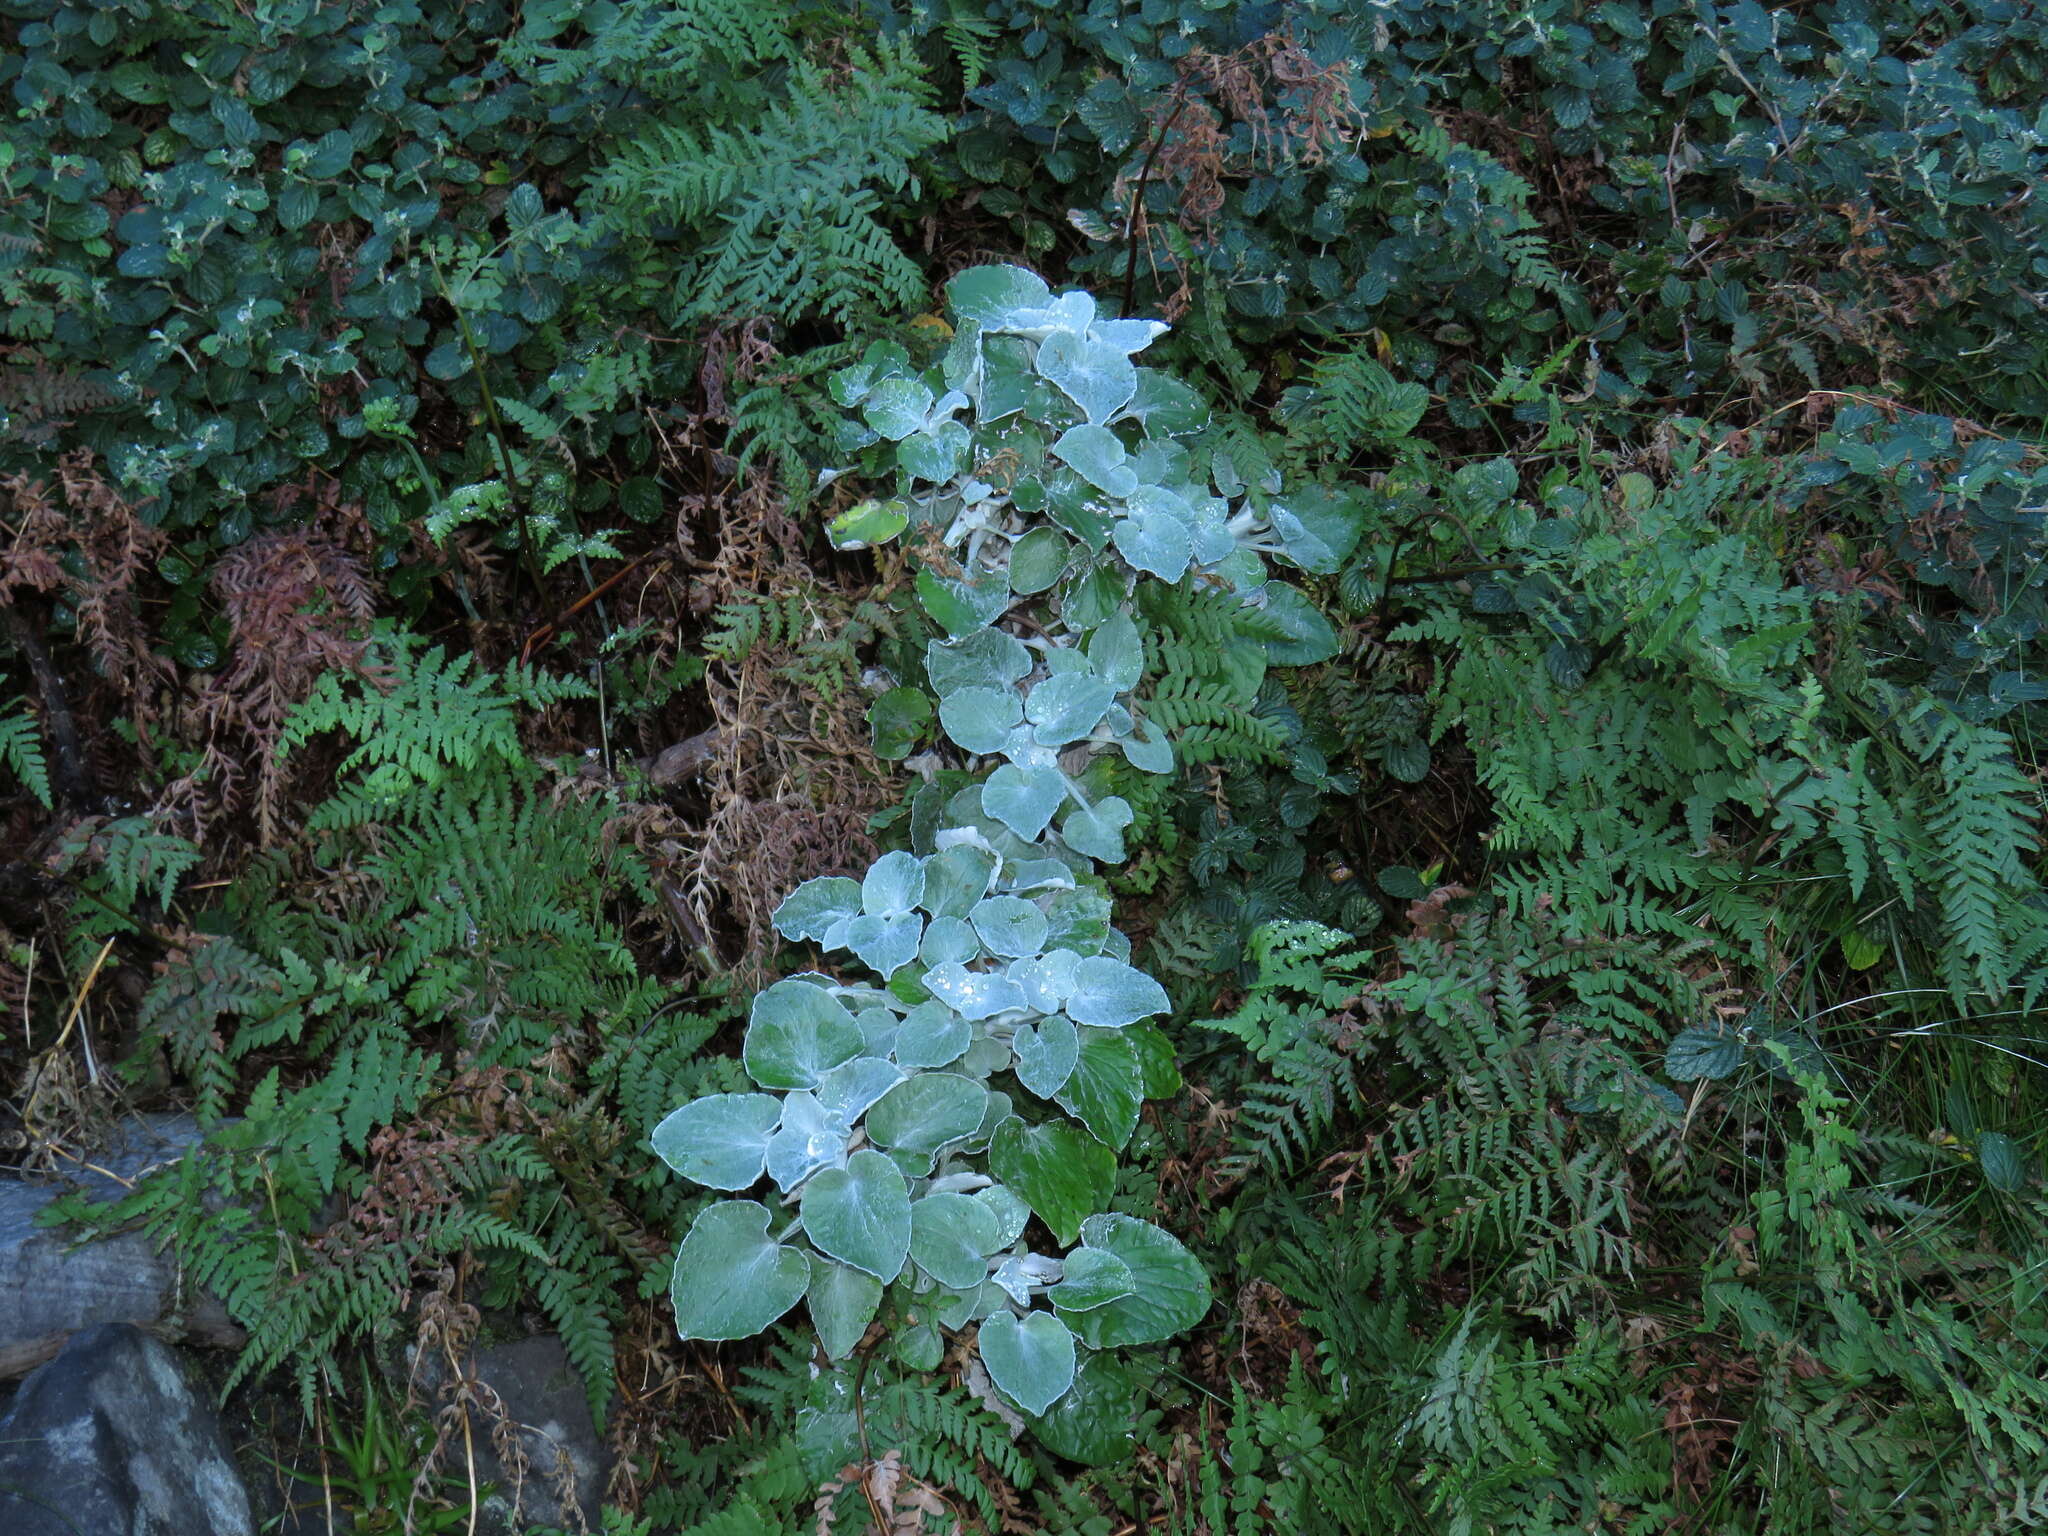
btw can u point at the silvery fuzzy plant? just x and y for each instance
(991, 1066)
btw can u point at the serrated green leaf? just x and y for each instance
(1701, 1053)
(1172, 1289)
(1059, 1170)
(1106, 1088)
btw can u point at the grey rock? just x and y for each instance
(111, 1439)
(543, 1396)
(53, 1288)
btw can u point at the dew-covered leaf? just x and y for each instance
(1110, 994)
(974, 995)
(1067, 707)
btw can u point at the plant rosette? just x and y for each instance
(990, 1067)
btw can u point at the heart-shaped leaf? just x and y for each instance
(1147, 749)
(975, 995)
(1096, 377)
(1172, 1290)
(1098, 456)
(720, 1140)
(809, 911)
(848, 1089)
(896, 719)
(949, 941)
(1117, 652)
(950, 1238)
(1094, 1277)
(1155, 542)
(1067, 707)
(1317, 528)
(1095, 1422)
(897, 407)
(812, 1137)
(1022, 1275)
(962, 607)
(1166, 406)
(1057, 1169)
(992, 296)
(1024, 799)
(956, 878)
(932, 1034)
(1047, 1054)
(795, 1033)
(860, 1215)
(893, 885)
(1110, 994)
(867, 523)
(988, 658)
(1038, 560)
(1009, 925)
(885, 944)
(1079, 920)
(842, 1303)
(1010, 1213)
(1047, 980)
(1309, 637)
(1031, 1359)
(925, 1112)
(935, 453)
(980, 719)
(1098, 830)
(1127, 336)
(731, 1279)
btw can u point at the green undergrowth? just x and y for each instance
(1479, 568)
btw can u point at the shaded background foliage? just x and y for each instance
(410, 421)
